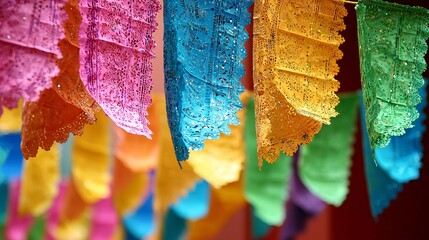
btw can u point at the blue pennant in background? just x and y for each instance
(4, 193)
(174, 226)
(399, 162)
(11, 158)
(140, 223)
(401, 159)
(196, 204)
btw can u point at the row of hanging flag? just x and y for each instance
(110, 184)
(69, 59)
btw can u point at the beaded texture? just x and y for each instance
(392, 46)
(296, 47)
(116, 49)
(67, 106)
(29, 36)
(402, 158)
(204, 49)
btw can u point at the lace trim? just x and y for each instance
(116, 49)
(49, 120)
(29, 35)
(204, 49)
(221, 160)
(402, 158)
(392, 43)
(296, 47)
(381, 188)
(68, 83)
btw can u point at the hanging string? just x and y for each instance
(352, 2)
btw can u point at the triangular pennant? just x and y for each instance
(29, 36)
(392, 48)
(115, 58)
(204, 49)
(296, 48)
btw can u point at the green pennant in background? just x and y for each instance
(392, 48)
(324, 165)
(37, 230)
(266, 189)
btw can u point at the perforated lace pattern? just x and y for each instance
(296, 47)
(204, 49)
(29, 34)
(67, 106)
(116, 49)
(392, 45)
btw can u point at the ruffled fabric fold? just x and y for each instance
(402, 158)
(204, 50)
(29, 36)
(116, 49)
(392, 48)
(296, 49)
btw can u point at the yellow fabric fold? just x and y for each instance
(171, 182)
(224, 203)
(10, 120)
(221, 160)
(74, 229)
(40, 182)
(128, 188)
(296, 47)
(91, 160)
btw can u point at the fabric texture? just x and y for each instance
(325, 163)
(29, 36)
(116, 49)
(66, 107)
(381, 188)
(296, 48)
(267, 189)
(204, 49)
(392, 46)
(402, 158)
(221, 161)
